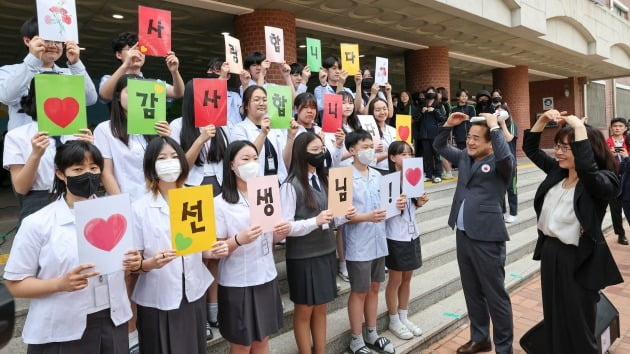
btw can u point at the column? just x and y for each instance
(514, 85)
(427, 67)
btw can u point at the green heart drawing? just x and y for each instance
(182, 242)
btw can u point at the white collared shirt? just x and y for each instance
(247, 130)
(197, 173)
(127, 160)
(17, 149)
(248, 265)
(402, 226)
(320, 91)
(45, 247)
(389, 136)
(152, 234)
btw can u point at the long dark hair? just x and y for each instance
(299, 168)
(352, 120)
(189, 133)
(604, 159)
(229, 190)
(71, 153)
(371, 112)
(150, 157)
(117, 115)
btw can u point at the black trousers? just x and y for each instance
(512, 196)
(431, 159)
(616, 205)
(568, 308)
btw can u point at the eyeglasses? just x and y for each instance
(259, 100)
(564, 148)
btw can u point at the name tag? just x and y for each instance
(101, 295)
(271, 163)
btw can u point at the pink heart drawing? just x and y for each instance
(413, 175)
(105, 234)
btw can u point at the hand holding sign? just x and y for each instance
(333, 113)
(263, 196)
(339, 190)
(274, 40)
(413, 184)
(146, 105)
(210, 102)
(314, 54)
(192, 219)
(154, 31)
(381, 76)
(369, 125)
(350, 57)
(280, 106)
(60, 101)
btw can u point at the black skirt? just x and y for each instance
(403, 255)
(248, 314)
(312, 281)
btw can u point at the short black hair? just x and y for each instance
(619, 120)
(296, 68)
(71, 153)
(124, 39)
(460, 91)
(328, 62)
(29, 28)
(214, 63)
(353, 138)
(253, 58)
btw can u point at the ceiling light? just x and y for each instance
(225, 33)
(361, 55)
(302, 45)
(118, 16)
(81, 48)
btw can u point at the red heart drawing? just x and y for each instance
(403, 132)
(413, 175)
(103, 234)
(61, 111)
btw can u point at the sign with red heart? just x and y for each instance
(60, 101)
(104, 236)
(403, 128)
(413, 184)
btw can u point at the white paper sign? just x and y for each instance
(381, 71)
(369, 125)
(413, 177)
(233, 54)
(57, 20)
(605, 340)
(104, 232)
(390, 191)
(274, 41)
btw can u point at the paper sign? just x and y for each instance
(210, 102)
(280, 106)
(57, 20)
(390, 191)
(340, 190)
(60, 101)
(369, 124)
(263, 196)
(350, 58)
(154, 31)
(605, 340)
(413, 177)
(146, 106)
(314, 54)
(381, 71)
(104, 232)
(274, 44)
(333, 113)
(192, 219)
(233, 54)
(403, 128)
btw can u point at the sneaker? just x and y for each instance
(447, 175)
(509, 218)
(209, 334)
(344, 276)
(401, 332)
(437, 180)
(135, 349)
(413, 328)
(427, 178)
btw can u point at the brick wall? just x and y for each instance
(514, 85)
(427, 67)
(250, 30)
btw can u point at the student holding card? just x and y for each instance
(365, 247)
(250, 307)
(274, 144)
(29, 154)
(173, 319)
(73, 309)
(123, 153)
(219, 69)
(403, 244)
(311, 268)
(332, 80)
(379, 109)
(300, 75)
(257, 65)
(42, 55)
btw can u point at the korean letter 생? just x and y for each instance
(263, 197)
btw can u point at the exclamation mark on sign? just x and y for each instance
(390, 192)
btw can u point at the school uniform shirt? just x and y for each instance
(365, 241)
(247, 130)
(300, 89)
(152, 234)
(337, 155)
(389, 136)
(17, 149)
(127, 160)
(335, 152)
(15, 81)
(45, 247)
(402, 227)
(104, 79)
(250, 264)
(320, 91)
(197, 173)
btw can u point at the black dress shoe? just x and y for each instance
(209, 334)
(471, 347)
(214, 324)
(622, 240)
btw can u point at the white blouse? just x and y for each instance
(557, 217)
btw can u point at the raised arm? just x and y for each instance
(441, 140)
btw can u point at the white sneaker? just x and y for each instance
(447, 175)
(401, 332)
(509, 218)
(437, 180)
(413, 328)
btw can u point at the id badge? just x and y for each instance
(411, 229)
(271, 163)
(101, 295)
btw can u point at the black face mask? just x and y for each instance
(212, 75)
(367, 83)
(497, 99)
(430, 95)
(483, 103)
(84, 185)
(316, 160)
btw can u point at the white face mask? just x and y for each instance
(248, 170)
(168, 170)
(366, 156)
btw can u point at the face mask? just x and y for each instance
(430, 95)
(366, 156)
(168, 170)
(248, 170)
(497, 99)
(315, 160)
(84, 185)
(212, 75)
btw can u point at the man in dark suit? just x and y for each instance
(485, 169)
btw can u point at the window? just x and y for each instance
(620, 9)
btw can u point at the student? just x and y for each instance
(172, 320)
(484, 102)
(250, 307)
(426, 127)
(73, 309)
(460, 132)
(510, 132)
(123, 153)
(300, 75)
(274, 144)
(42, 55)
(380, 111)
(29, 157)
(219, 69)
(131, 60)
(616, 143)
(497, 100)
(310, 249)
(365, 247)
(403, 245)
(257, 65)
(331, 80)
